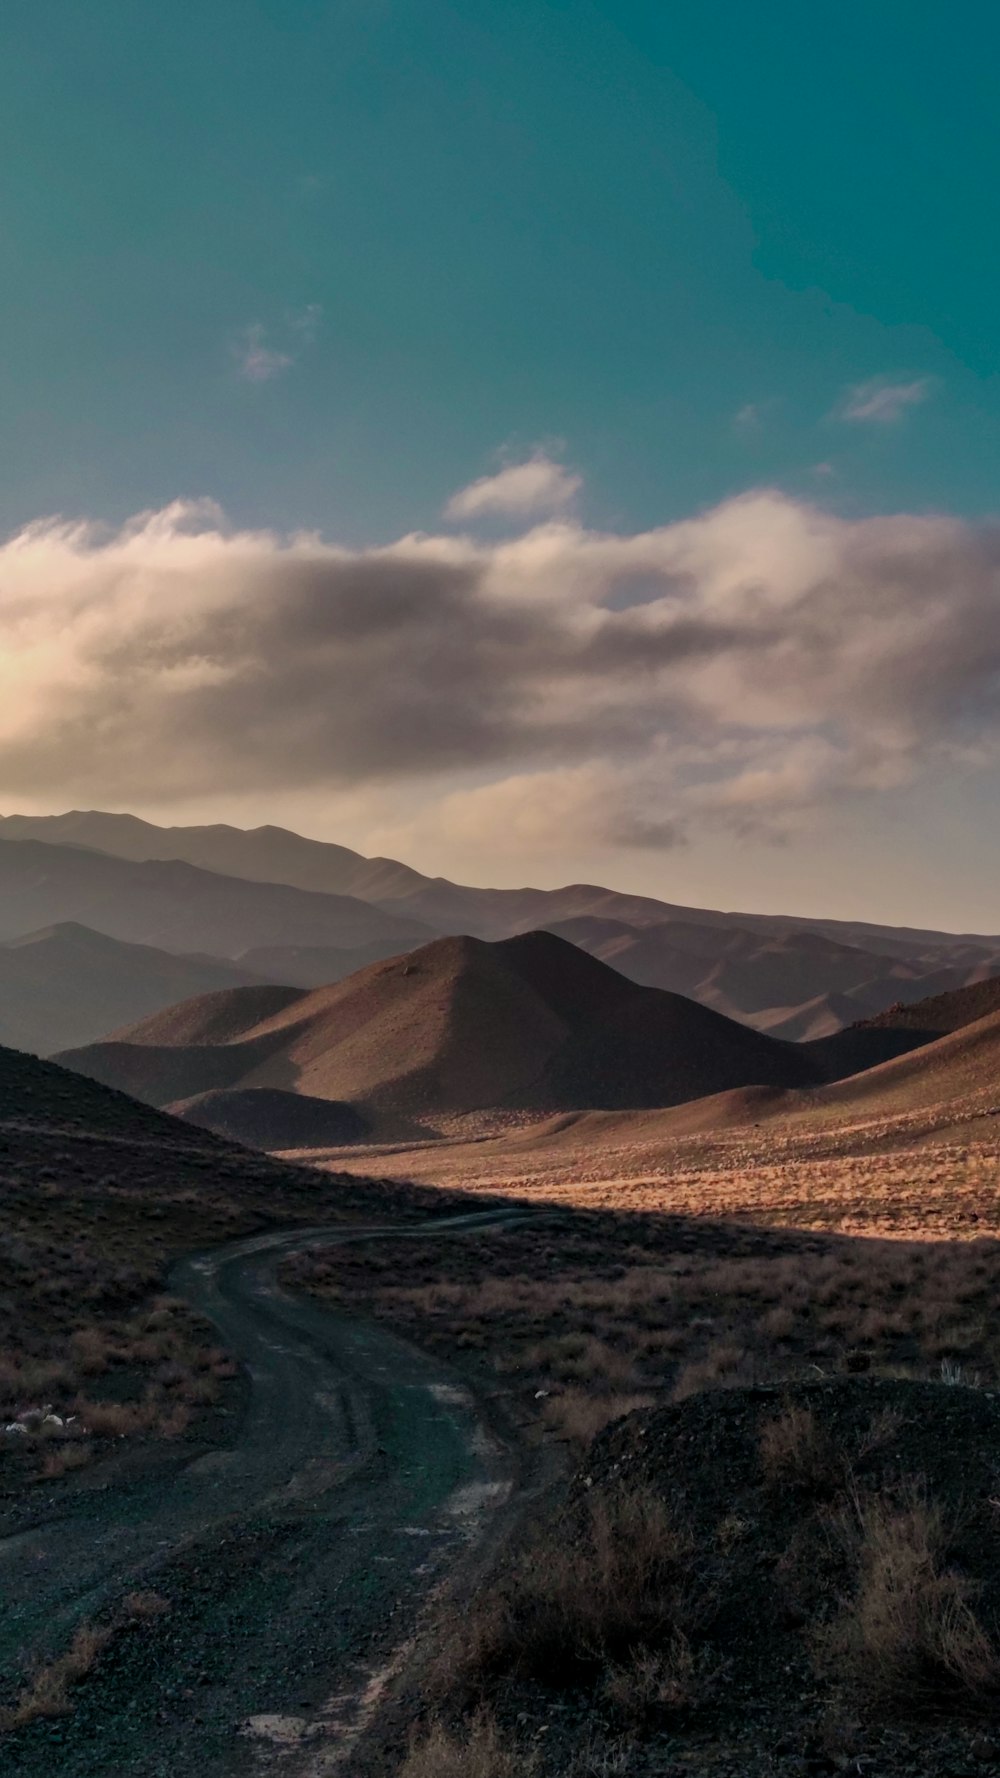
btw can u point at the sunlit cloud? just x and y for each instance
(527, 489)
(747, 668)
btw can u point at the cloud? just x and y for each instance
(521, 490)
(257, 361)
(745, 668)
(880, 402)
(305, 322)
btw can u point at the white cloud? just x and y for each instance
(774, 659)
(260, 361)
(256, 361)
(880, 402)
(527, 489)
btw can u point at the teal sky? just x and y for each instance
(486, 226)
(714, 285)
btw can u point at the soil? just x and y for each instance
(772, 1568)
(294, 1549)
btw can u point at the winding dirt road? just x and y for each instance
(295, 1555)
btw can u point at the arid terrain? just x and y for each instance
(564, 1378)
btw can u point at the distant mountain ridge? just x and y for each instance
(276, 855)
(794, 978)
(178, 906)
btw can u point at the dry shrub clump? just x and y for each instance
(480, 1749)
(49, 1687)
(47, 1692)
(908, 1637)
(591, 1596)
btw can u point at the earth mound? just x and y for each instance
(790, 1580)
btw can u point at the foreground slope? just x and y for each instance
(530, 1024)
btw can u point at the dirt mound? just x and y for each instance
(842, 1526)
(460, 1026)
(761, 1581)
(263, 1117)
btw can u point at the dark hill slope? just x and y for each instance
(528, 1024)
(901, 1029)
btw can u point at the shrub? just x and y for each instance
(585, 1594)
(480, 1751)
(909, 1635)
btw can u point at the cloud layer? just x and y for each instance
(744, 667)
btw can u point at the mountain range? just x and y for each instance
(523, 1025)
(271, 904)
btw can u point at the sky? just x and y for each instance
(540, 440)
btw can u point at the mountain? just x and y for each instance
(275, 855)
(528, 1024)
(176, 906)
(67, 985)
(903, 1028)
(313, 966)
(795, 978)
(796, 986)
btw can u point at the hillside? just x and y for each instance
(796, 986)
(313, 966)
(959, 1071)
(68, 985)
(530, 1024)
(176, 906)
(902, 1028)
(793, 977)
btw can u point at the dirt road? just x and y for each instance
(295, 1555)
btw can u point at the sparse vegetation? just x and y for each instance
(47, 1693)
(908, 1634)
(593, 1593)
(479, 1749)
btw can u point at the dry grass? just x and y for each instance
(63, 1459)
(909, 1636)
(584, 1316)
(48, 1691)
(659, 1682)
(583, 1598)
(796, 1452)
(480, 1749)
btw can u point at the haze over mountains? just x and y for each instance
(69, 985)
(275, 905)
